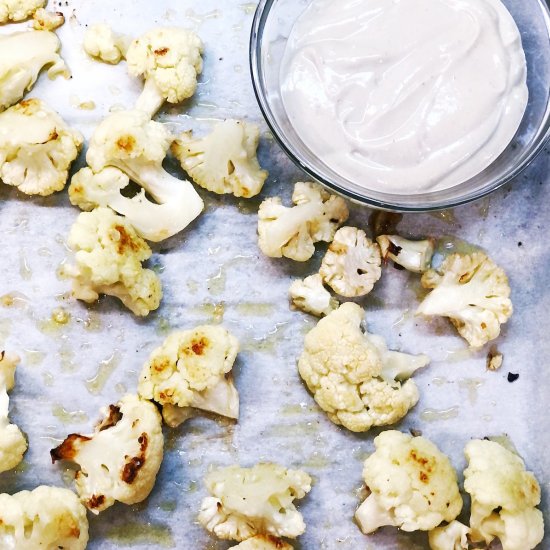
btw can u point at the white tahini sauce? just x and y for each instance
(405, 96)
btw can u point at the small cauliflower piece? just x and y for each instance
(13, 444)
(453, 536)
(254, 501)
(37, 148)
(263, 542)
(44, 20)
(311, 296)
(101, 43)
(352, 375)
(415, 256)
(121, 459)
(352, 264)
(224, 161)
(22, 56)
(293, 232)
(504, 497)
(192, 370)
(18, 10)
(137, 146)
(169, 59)
(109, 254)
(47, 518)
(473, 292)
(412, 485)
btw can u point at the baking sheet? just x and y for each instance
(214, 272)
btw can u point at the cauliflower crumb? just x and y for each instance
(254, 501)
(224, 161)
(18, 10)
(494, 359)
(264, 542)
(312, 297)
(354, 378)
(192, 370)
(453, 536)
(120, 461)
(415, 256)
(352, 264)
(101, 43)
(44, 20)
(293, 232)
(412, 485)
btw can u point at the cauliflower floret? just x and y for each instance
(293, 232)
(311, 296)
(18, 10)
(449, 537)
(352, 264)
(192, 370)
(109, 254)
(121, 459)
(504, 497)
(22, 56)
(353, 376)
(252, 501)
(101, 43)
(415, 256)
(13, 444)
(136, 145)
(263, 542)
(412, 485)
(473, 292)
(48, 518)
(44, 20)
(224, 161)
(37, 148)
(170, 60)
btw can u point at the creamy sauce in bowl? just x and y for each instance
(405, 96)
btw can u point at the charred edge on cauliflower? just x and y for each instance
(134, 465)
(113, 418)
(68, 449)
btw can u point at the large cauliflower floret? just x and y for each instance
(352, 264)
(253, 501)
(450, 537)
(224, 161)
(109, 254)
(415, 256)
(37, 148)
(169, 58)
(18, 10)
(121, 459)
(22, 56)
(473, 292)
(48, 518)
(101, 43)
(136, 145)
(353, 376)
(263, 542)
(293, 232)
(13, 444)
(192, 370)
(504, 497)
(311, 296)
(412, 485)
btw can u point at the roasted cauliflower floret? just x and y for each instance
(412, 485)
(473, 292)
(254, 501)
(311, 296)
(263, 542)
(415, 256)
(293, 232)
(136, 145)
(169, 59)
(101, 43)
(37, 148)
(121, 459)
(109, 254)
(352, 264)
(504, 497)
(13, 444)
(225, 160)
(18, 10)
(22, 56)
(352, 375)
(48, 518)
(449, 537)
(192, 370)
(44, 20)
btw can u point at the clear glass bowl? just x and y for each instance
(273, 22)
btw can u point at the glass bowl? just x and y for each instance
(272, 25)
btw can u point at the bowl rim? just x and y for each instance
(260, 17)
